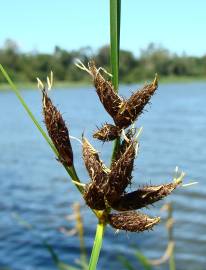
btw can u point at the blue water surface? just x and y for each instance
(36, 189)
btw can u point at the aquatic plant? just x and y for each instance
(106, 191)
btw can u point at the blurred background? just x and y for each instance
(36, 195)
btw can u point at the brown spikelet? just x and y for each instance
(106, 92)
(57, 130)
(94, 192)
(107, 133)
(132, 221)
(94, 197)
(143, 197)
(95, 167)
(121, 173)
(134, 106)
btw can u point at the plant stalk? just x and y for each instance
(115, 14)
(115, 10)
(115, 18)
(97, 246)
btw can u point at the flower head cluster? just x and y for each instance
(107, 189)
(123, 111)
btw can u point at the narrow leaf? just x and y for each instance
(59, 264)
(70, 170)
(16, 91)
(143, 260)
(125, 262)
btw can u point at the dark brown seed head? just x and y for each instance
(57, 130)
(94, 196)
(107, 133)
(134, 106)
(106, 92)
(95, 167)
(94, 192)
(132, 221)
(143, 197)
(121, 173)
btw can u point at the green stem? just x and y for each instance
(97, 246)
(115, 9)
(115, 16)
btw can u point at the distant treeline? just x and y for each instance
(25, 67)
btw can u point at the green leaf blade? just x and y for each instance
(126, 263)
(143, 260)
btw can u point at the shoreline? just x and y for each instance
(66, 84)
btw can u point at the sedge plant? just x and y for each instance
(106, 193)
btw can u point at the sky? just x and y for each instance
(39, 25)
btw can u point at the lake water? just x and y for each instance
(35, 187)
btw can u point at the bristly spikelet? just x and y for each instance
(57, 130)
(121, 173)
(107, 132)
(94, 192)
(132, 221)
(106, 92)
(143, 197)
(95, 167)
(94, 197)
(134, 106)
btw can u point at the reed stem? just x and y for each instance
(115, 18)
(115, 9)
(97, 246)
(115, 14)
